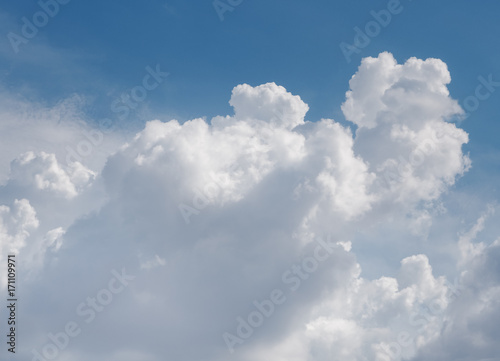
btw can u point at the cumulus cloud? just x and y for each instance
(406, 107)
(470, 329)
(43, 172)
(207, 222)
(370, 318)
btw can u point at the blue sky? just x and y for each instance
(139, 197)
(101, 49)
(289, 42)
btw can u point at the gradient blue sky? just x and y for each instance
(293, 43)
(97, 51)
(100, 49)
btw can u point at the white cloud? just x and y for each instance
(383, 91)
(43, 172)
(209, 215)
(405, 108)
(60, 129)
(470, 329)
